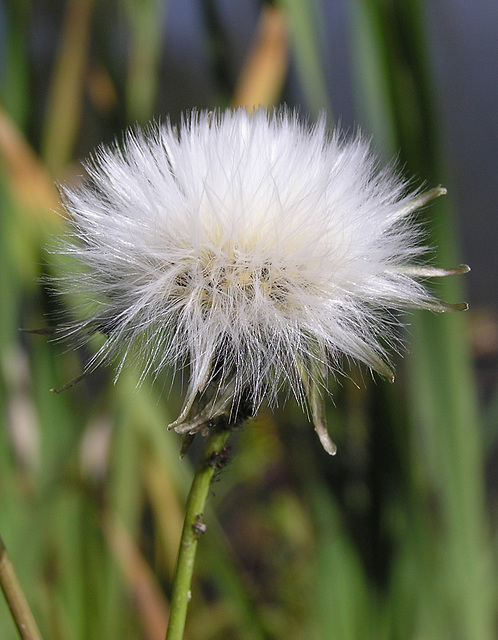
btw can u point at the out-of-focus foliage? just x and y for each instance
(390, 539)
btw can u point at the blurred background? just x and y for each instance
(395, 537)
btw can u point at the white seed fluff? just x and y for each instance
(254, 250)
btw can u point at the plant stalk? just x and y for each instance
(16, 600)
(212, 460)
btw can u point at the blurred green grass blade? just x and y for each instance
(344, 604)
(124, 495)
(372, 80)
(228, 576)
(17, 455)
(411, 611)
(15, 92)
(146, 25)
(64, 104)
(443, 399)
(10, 289)
(60, 424)
(68, 539)
(145, 419)
(151, 418)
(306, 22)
(80, 559)
(448, 425)
(124, 491)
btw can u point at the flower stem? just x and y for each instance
(211, 460)
(16, 600)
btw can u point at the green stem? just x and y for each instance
(18, 605)
(193, 527)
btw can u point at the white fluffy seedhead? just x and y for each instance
(255, 250)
